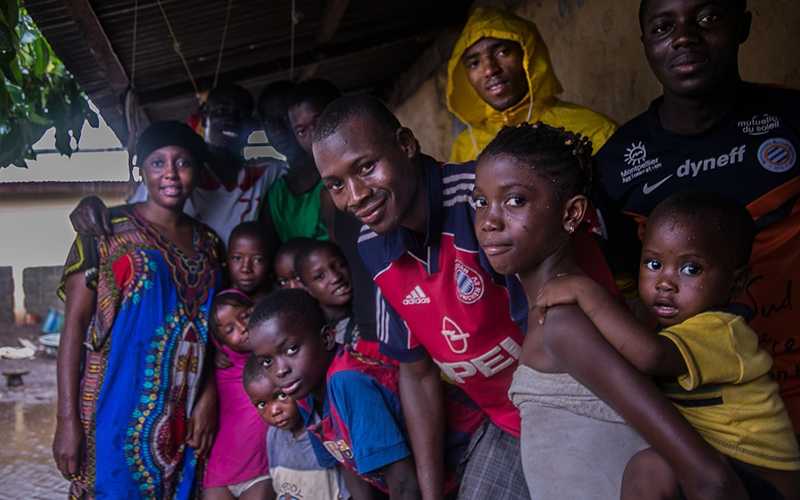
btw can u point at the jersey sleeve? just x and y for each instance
(393, 333)
(373, 418)
(711, 350)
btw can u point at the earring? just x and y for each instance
(571, 229)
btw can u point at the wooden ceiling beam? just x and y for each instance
(99, 45)
(280, 66)
(331, 20)
(95, 37)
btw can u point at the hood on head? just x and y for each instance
(489, 22)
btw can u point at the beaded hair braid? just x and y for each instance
(565, 157)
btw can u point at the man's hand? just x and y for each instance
(91, 218)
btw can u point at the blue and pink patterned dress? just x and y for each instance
(145, 350)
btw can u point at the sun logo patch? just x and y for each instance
(469, 284)
(777, 155)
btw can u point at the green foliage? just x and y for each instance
(36, 91)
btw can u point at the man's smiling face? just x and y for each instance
(370, 172)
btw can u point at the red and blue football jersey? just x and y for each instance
(361, 425)
(442, 296)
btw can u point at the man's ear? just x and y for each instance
(328, 337)
(408, 143)
(574, 212)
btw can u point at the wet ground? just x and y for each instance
(27, 422)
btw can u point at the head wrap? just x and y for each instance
(170, 133)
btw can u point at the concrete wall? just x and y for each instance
(39, 285)
(36, 232)
(595, 48)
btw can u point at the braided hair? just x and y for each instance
(561, 156)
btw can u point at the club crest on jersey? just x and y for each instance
(339, 450)
(456, 338)
(469, 284)
(777, 155)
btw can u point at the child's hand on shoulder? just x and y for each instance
(221, 360)
(564, 289)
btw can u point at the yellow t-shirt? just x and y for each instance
(727, 394)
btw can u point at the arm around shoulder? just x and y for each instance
(648, 352)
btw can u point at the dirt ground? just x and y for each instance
(27, 422)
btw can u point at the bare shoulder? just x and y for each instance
(563, 334)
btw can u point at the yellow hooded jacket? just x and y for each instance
(483, 122)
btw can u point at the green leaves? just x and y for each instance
(36, 91)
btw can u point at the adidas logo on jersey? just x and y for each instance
(416, 297)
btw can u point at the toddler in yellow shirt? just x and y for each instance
(695, 252)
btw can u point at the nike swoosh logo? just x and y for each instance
(649, 189)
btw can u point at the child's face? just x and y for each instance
(232, 327)
(284, 271)
(680, 274)
(275, 407)
(518, 217)
(248, 263)
(293, 355)
(326, 277)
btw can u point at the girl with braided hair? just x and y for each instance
(584, 409)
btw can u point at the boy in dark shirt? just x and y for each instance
(710, 131)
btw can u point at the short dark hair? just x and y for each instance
(253, 371)
(740, 5)
(292, 247)
(250, 229)
(240, 95)
(311, 246)
(562, 156)
(345, 108)
(317, 92)
(294, 305)
(273, 101)
(229, 297)
(714, 213)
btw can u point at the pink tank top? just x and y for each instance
(240, 448)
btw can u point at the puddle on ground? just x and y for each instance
(27, 469)
(27, 423)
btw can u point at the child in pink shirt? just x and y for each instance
(237, 466)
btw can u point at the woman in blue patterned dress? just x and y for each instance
(134, 414)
